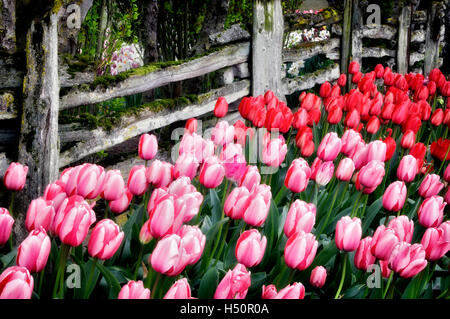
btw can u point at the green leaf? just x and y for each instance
(371, 212)
(216, 206)
(416, 285)
(271, 226)
(8, 259)
(355, 292)
(111, 280)
(208, 284)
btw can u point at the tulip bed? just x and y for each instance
(343, 198)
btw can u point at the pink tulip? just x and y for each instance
(403, 227)
(194, 144)
(169, 257)
(193, 242)
(105, 239)
(363, 256)
(86, 180)
(212, 172)
(56, 193)
(447, 174)
(394, 196)
(234, 285)
(274, 150)
(383, 242)
(250, 248)
(164, 218)
(297, 176)
(40, 213)
(236, 202)
(370, 176)
(294, 291)
(301, 216)
(447, 196)
(324, 173)
(269, 292)
(250, 178)
(15, 176)
(134, 290)
(179, 290)
(33, 252)
(434, 243)
(385, 270)
(148, 146)
(120, 205)
(376, 150)
(345, 169)
(431, 212)
(315, 167)
(318, 277)
(430, 186)
(233, 160)
(359, 157)
(114, 185)
(330, 147)
(159, 174)
(348, 233)
(72, 221)
(188, 205)
(16, 283)
(300, 250)
(408, 260)
(445, 226)
(6, 223)
(222, 133)
(407, 169)
(258, 205)
(186, 165)
(137, 181)
(350, 140)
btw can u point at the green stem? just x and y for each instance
(11, 205)
(158, 277)
(222, 243)
(58, 288)
(442, 164)
(355, 205)
(41, 280)
(136, 270)
(328, 214)
(341, 284)
(91, 275)
(388, 284)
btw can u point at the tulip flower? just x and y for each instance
(269, 292)
(431, 212)
(300, 250)
(325, 89)
(250, 178)
(221, 107)
(348, 233)
(301, 216)
(169, 257)
(250, 248)
(437, 117)
(324, 173)
(234, 285)
(191, 125)
(300, 118)
(105, 239)
(137, 181)
(370, 176)
(434, 243)
(394, 196)
(15, 176)
(407, 169)
(318, 277)
(385, 270)
(134, 290)
(373, 125)
(383, 242)
(342, 80)
(120, 205)
(33, 252)
(179, 290)
(294, 291)
(440, 149)
(73, 220)
(330, 147)
(186, 165)
(376, 150)
(353, 67)
(212, 172)
(159, 174)
(86, 180)
(258, 205)
(363, 257)
(334, 115)
(274, 151)
(447, 174)
(350, 139)
(233, 160)
(16, 283)
(430, 186)
(403, 227)
(408, 260)
(236, 202)
(345, 169)
(193, 242)
(40, 213)
(164, 218)
(408, 139)
(222, 133)
(55, 192)
(297, 176)
(148, 146)
(114, 185)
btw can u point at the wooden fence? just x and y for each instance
(249, 66)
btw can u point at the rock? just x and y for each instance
(7, 106)
(234, 33)
(7, 26)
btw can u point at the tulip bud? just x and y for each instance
(250, 248)
(431, 212)
(258, 205)
(222, 133)
(16, 283)
(434, 243)
(179, 290)
(348, 233)
(169, 257)
(269, 292)
(234, 285)
(105, 239)
(148, 146)
(330, 147)
(33, 252)
(430, 186)
(186, 165)
(212, 172)
(403, 227)
(137, 181)
(193, 242)
(318, 277)
(376, 150)
(408, 139)
(394, 196)
(40, 213)
(297, 176)
(250, 178)
(345, 169)
(221, 107)
(134, 290)
(294, 291)
(159, 174)
(191, 125)
(370, 176)
(15, 176)
(324, 173)
(274, 151)
(300, 250)
(114, 185)
(301, 216)
(407, 169)
(373, 125)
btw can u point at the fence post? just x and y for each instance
(267, 46)
(38, 143)
(404, 22)
(431, 40)
(357, 24)
(346, 38)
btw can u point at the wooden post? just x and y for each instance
(404, 22)
(38, 143)
(432, 38)
(357, 24)
(267, 46)
(346, 38)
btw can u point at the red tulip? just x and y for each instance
(437, 117)
(440, 149)
(334, 115)
(148, 146)
(352, 119)
(33, 252)
(221, 107)
(342, 80)
(15, 176)
(353, 67)
(408, 139)
(325, 89)
(191, 125)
